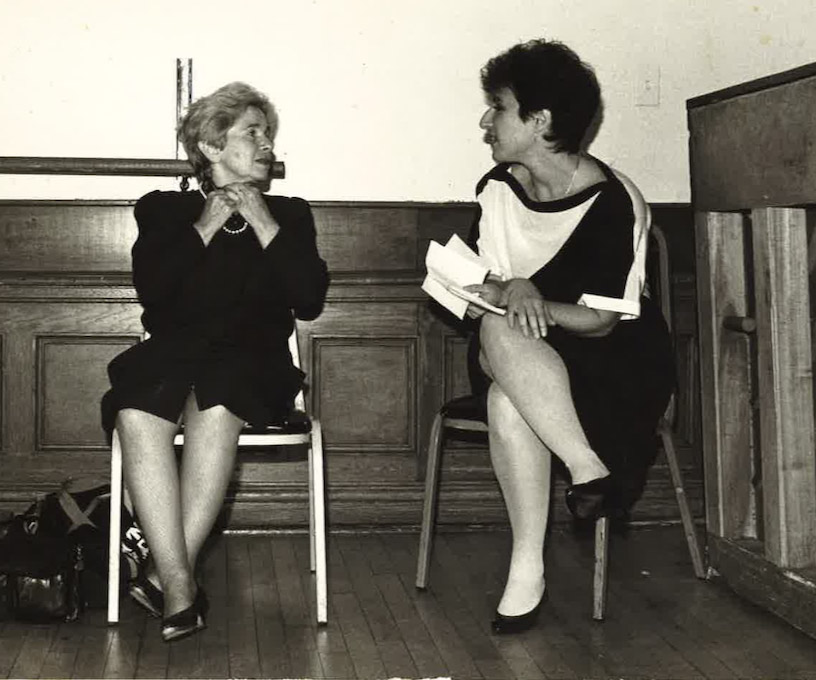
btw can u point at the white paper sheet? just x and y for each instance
(450, 268)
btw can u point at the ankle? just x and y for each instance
(521, 595)
(588, 471)
(178, 600)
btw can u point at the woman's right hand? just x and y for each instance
(489, 292)
(217, 210)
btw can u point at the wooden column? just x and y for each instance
(725, 371)
(785, 381)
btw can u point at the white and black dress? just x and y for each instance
(589, 249)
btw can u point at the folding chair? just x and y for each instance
(299, 428)
(468, 413)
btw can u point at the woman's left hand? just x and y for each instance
(526, 306)
(250, 204)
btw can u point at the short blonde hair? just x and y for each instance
(209, 118)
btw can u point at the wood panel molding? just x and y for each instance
(365, 392)
(70, 380)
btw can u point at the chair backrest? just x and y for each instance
(294, 350)
(661, 273)
(659, 276)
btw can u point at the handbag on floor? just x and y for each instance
(40, 578)
(60, 535)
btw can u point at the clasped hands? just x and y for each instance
(244, 199)
(524, 303)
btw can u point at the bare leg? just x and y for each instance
(210, 443)
(151, 475)
(522, 466)
(534, 378)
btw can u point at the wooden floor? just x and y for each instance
(662, 622)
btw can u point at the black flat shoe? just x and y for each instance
(510, 625)
(146, 595)
(186, 622)
(592, 499)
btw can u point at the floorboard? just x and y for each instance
(661, 621)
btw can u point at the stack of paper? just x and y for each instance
(450, 268)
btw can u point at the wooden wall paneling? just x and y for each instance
(440, 223)
(371, 238)
(71, 378)
(2, 393)
(66, 301)
(66, 236)
(366, 391)
(725, 375)
(785, 379)
(364, 356)
(20, 387)
(38, 334)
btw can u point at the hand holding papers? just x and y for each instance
(450, 268)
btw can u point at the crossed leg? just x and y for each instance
(177, 511)
(533, 376)
(531, 414)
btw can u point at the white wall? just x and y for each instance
(379, 100)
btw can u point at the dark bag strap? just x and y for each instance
(77, 515)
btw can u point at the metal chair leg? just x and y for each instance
(317, 482)
(312, 494)
(685, 514)
(114, 533)
(429, 504)
(599, 580)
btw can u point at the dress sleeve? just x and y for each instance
(617, 271)
(167, 249)
(295, 264)
(490, 238)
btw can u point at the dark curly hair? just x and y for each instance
(546, 74)
(209, 118)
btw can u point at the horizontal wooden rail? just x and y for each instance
(144, 167)
(740, 324)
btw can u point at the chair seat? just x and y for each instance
(296, 422)
(468, 407)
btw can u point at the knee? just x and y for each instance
(131, 420)
(499, 340)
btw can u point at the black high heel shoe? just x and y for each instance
(592, 499)
(186, 622)
(146, 595)
(510, 625)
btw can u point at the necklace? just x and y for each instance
(234, 218)
(574, 173)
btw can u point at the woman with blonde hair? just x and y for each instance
(221, 274)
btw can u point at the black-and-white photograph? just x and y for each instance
(429, 340)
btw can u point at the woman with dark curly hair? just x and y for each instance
(221, 274)
(581, 365)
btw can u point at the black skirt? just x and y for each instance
(157, 375)
(621, 385)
